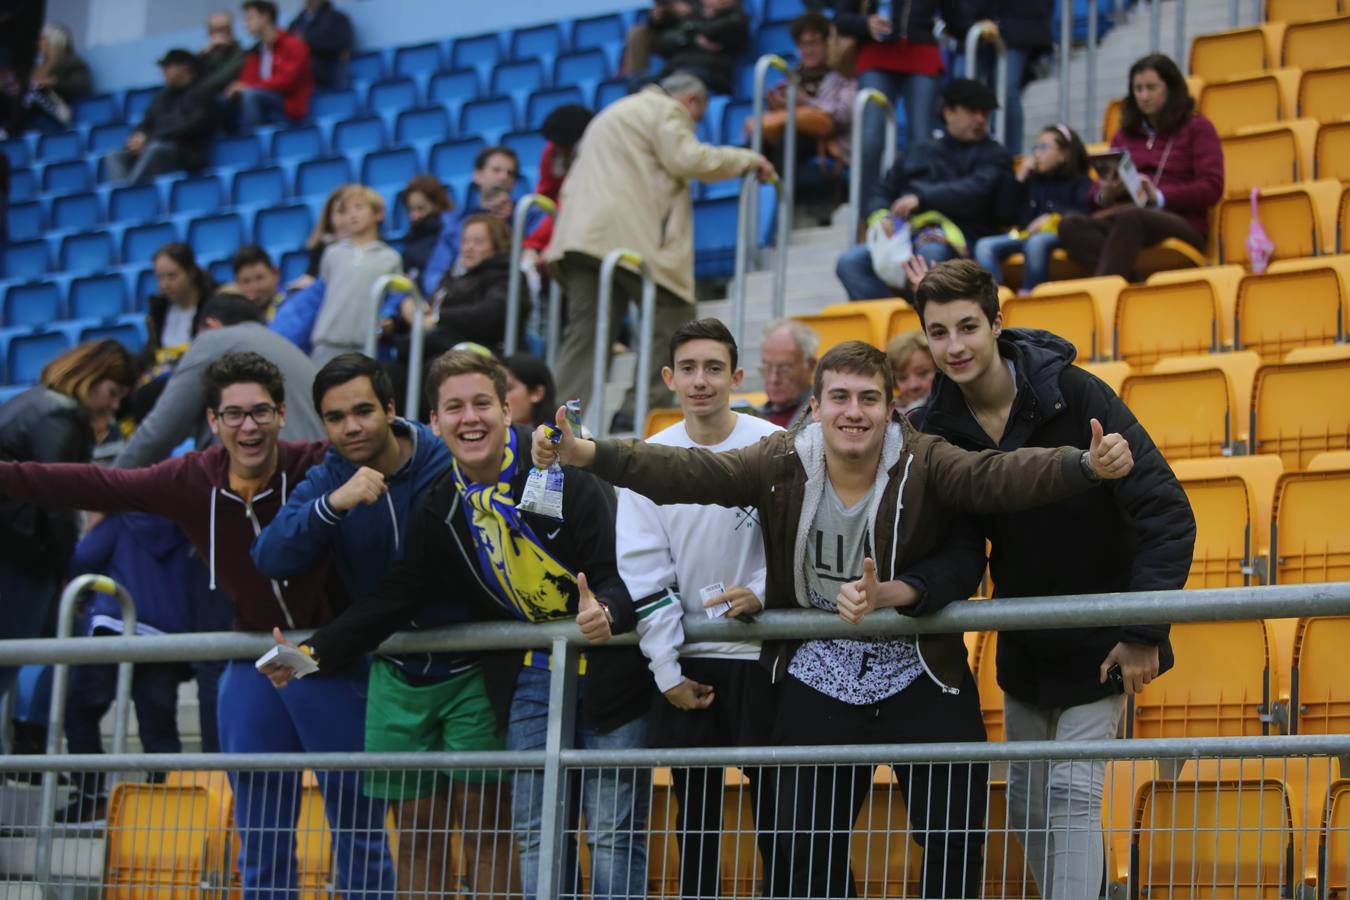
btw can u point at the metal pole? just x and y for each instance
(412, 402)
(553, 332)
(594, 416)
(522, 210)
(787, 198)
(376, 300)
(746, 227)
(1154, 26)
(1180, 55)
(860, 102)
(646, 328)
(56, 713)
(1091, 90)
(1234, 14)
(1001, 88)
(762, 66)
(1065, 51)
(562, 704)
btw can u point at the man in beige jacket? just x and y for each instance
(629, 188)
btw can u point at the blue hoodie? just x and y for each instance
(365, 541)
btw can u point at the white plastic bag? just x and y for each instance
(890, 251)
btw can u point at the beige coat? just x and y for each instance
(629, 187)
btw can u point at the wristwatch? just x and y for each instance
(1085, 460)
(609, 616)
(309, 651)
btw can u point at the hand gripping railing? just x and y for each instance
(973, 38)
(594, 414)
(747, 236)
(855, 162)
(406, 285)
(787, 195)
(522, 211)
(56, 715)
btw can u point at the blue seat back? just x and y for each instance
(541, 42)
(392, 95)
(130, 333)
(33, 305)
(453, 160)
(783, 10)
(317, 177)
(334, 104)
(259, 186)
(529, 146)
(600, 32)
(24, 259)
(67, 177)
(304, 142)
(60, 146)
(608, 91)
(544, 102)
(105, 138)
(283, 226)
(418, 59)
(140, 242)
(479, 52)
(17, 151)
(214, 237)
(366, 67)
(25, 221)
(518, 78)
(389, 168)
(293, 264)
(29, 353)
(488, 118)
(359, 135)
(97, 110)
(22, 185)
(98, 296)
(238, 152)
(137, 102)
(588, 66)
(190, 195)
(90, 251)
(428, 124)
(134, 203)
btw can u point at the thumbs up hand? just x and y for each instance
(592, 617)
(568, 449)
(858, 598)
(1109, 455)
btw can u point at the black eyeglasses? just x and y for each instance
(262, 414)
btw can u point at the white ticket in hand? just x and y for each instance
(298, 661)
(709, 592)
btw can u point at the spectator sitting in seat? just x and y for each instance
(787, 363)
(328, 33)
(1051, 182)
(912, 366)
(1024, 28)
(1180, 161)
(175, 132)
(637, 46)
(945, 188)
(220, 61)
(59, 78)
(349, 270)
(171, 314)
(257, 279)
(530, 392)
(430, 213)
(705, 43)
(277, 79)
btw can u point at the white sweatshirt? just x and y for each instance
(668, 554)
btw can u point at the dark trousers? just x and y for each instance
(817, 805)
(741, 716)
(1110, 245)
(154, 689)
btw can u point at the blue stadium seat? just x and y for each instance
(392, 95)
(29, 353)
(293, 264)
(453, 160)
(582, 68)
(253, 187)
(358, 135)
(602, 33)
(715, 237)
(217, 236)
(608, 91)
(106, 138)
(479, 52)
(518, 78)
(334, 104)
(528, 146)
(783, 10)
(32, 305)
(25, 221)
(316, 177)
(429, 124)
(389, 168)
(239, 152)
(541, 42)
(89, 251)
(708, 128)
(139, 242)
(22, 185)
(733, 121)
(134, 203)
(60, 146)
(97, 110)
(418, 59)
(366, 67)
(488, 118)
(10, 391)
(17, 151)
(137, 102)
(191, 195)
(544, 102)
(146, 284)
(126, 330)
(98, 296)
(301, 142)
(743, 81)
(774, 37)
(282, 226)
(67, 177)
(453, 89)
(24, 259)
(221, 271)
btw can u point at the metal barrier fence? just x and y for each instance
(401, 284)
(974, 38)
(518, 219)
(747, 238)
(861, 101)
(1241, 816)
(594, 413)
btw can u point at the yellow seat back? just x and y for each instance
(1187, 414)
(1322, 704)
(1317, 44)
(1225, 516)
(1255, 100)
(1261, 159)
(1310, 541)
(1331, 156)
(1324, 94)
(1300, 10)
(1269, 324)
(165, 841)
(661, 419)
(1217, 56)
(1157, 320)
(1071, 316)
(1219, 687)
(836, 329)
(1300, 410)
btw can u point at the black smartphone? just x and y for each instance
(1116, 678)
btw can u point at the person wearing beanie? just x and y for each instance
(175, 132)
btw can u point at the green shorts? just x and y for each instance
(452, 715)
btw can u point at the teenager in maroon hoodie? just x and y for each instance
(222, 497)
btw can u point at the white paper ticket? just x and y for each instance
(709, 592)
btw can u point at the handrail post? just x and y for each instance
(973, 39)
(746, 227)
(56, 713)
(1155, 26)
(861, 101)
(595, 412)
(1180, 35)
(787, 199)
(762, 66)
(416, 339)
(561, 727)
(511, 340)
(1065, 53)
(553, 324)
(1091, 88)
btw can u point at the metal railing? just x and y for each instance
(416, 339)
(594, 414)
(747, 238)
(786, 184)
(974, 38)
(511, 340)
(864, 98)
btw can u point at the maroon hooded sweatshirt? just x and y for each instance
(193, 490)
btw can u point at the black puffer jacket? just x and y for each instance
(959, 179)
(912, 20)
(41, 425)
(1023, 24)
(184, 116)
(1135, 534)
(473, 305)
(677, 40)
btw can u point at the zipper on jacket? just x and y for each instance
(257, 530)
(942, 686)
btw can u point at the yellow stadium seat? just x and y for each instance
(1309, 540)
(1073, 317)
(1261, 155)
(905, 319)
(1113, 372)
(1201, 837)
(1343, 223)
(986, 680)
(835, 329)
(1324, 94)
(1225, 534)
(1278, 312)
(1300, 410)
(1324, 353)
(1320, 701)
(1104, 290)
(1220, 686)
(753, 399)
(1157, 320)
(1223, 281)
(1187, 414)
(1300, 219)
(1251, 100)
(1240, 369)
(1331, 156)
(1169, 254)
(1301, 10)
(165, 841)
(1261, 473)
(881, 313)
(1219, 55)
(1111, 119)
(1330, 461)
(313, 846)
(661, 419)
(1334, 876)
(1316, 43)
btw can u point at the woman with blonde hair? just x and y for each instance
(912, 363)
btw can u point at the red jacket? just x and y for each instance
(549, 185)
(292, 74)
(193, 491)
(1192, 178)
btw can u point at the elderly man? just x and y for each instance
(787, 363)
(220, 61)
(175, 132)
(629, 187)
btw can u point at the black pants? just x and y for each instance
(1110, 245)
(817, 805)
(742, 715)
(154, 690)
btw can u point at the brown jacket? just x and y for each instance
(925, 484)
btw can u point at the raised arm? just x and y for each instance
(157, 489)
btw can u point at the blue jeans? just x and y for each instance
(615, 801)
(155, 158)
(258, 107)
(918, 93)
(860, 280)
(991, 251)
(27, 600)
(322, 713)
(1013, 122)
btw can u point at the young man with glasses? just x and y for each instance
(221, 498)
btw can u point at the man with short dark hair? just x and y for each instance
(830, 498)
(175, 132)
(327, 32)
(1001, 389)
(277, 79)
(219, 497)
(257, 279)
(945, 190)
